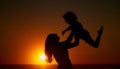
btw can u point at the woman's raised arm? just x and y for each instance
(67, 44)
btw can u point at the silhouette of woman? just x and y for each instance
(59, 50)
(80, 32)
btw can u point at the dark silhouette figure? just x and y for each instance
(79, 32)
(59, 50)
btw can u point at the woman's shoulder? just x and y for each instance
(62, 44)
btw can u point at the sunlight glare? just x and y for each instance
(42, 57)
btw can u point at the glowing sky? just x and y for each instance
(25, 24)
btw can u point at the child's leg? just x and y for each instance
(99, 36)
(87, 38)
(90, 41)
(76, 40)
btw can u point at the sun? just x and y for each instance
(42, 57)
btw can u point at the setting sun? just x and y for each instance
(37, 56)
(42, 57)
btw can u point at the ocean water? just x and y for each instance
(77, 66)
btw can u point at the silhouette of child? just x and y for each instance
(78, 30)
(59, 50)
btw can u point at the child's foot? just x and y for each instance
(100, 31)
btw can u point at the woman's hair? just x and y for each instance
(50, 43)
(70, 15)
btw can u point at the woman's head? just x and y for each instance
(52, 38)
(51, 41)
(70, 17)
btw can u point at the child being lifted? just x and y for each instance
(78, 30)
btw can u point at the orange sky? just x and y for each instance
(24, 26)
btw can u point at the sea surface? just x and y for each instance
(76, 66)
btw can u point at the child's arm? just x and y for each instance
(74, 44)
(67, 29)
(67, 44)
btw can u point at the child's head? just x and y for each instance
(70, 17)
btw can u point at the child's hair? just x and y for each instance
(49, 44)
(70, 15)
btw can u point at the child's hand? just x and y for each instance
(63, 32)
